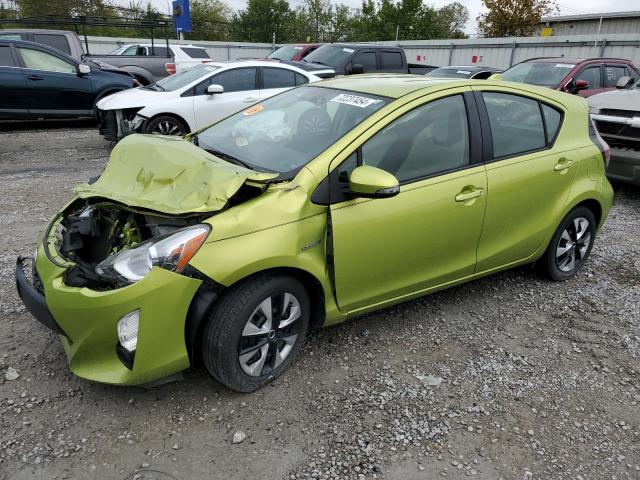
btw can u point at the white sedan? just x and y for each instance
(198, 97)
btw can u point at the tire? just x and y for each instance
(166, 125)
(241, 347)
(570, 245)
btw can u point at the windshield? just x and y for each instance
(330, 55)
(545, 74)
(288, 52)
(184, 78)
(449, 73)
(285, 132)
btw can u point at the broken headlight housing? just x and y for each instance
(171, 252)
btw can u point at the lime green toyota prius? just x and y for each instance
(321, 203)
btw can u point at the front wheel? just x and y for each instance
(255, 331)
(166, 125)
(570, 245)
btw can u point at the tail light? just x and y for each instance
(207, 61)
(599, 142)
(170, 68)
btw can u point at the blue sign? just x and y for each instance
(181, 16)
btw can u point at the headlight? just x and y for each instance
(594, 111)
(171, 252)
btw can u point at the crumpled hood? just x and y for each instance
(131, 98)
(617, 100)
(168, 175)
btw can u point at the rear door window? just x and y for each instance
(10, 36)
(592, 76)
(516, 124)
(391, 60)
(6, 58)
(367, 60)
(157, 51)
(278, 78)
(613, 73)
(196, 52)
(59, 42)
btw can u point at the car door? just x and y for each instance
(240, 91)
(592, 74)
(427, 235)
(276, 80)
(55, 87)
(528, 181)
(14, 98)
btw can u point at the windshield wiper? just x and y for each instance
(229, 158)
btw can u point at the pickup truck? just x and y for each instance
(353, 58)
(146, 68)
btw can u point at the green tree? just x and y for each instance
(261, 19)
(514, 18)
(209, 20)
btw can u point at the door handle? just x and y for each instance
(469, 194)
(35, 77)
(250, 100)
(563, 164)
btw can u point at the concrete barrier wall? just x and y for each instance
(495, 52)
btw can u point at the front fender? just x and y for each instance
(298, 245)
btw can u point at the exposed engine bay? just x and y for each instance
(92, 230)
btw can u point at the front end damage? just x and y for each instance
(116, 124)
(112, 275)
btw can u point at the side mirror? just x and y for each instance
(371, 182)
(84, 69)
(624, 82)
(580, 85)
(214, 88)
(356, 68)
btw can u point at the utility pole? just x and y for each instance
(397, 32)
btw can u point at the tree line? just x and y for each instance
(309, 21)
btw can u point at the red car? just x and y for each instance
(584, 77)
(293, 53)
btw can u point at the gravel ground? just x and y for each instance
(509, 377)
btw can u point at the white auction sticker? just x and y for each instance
(354, 100)
(348, 50)
(564, 65)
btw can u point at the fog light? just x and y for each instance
(128, 330)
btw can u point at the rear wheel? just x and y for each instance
(166, 125)
(570, 245)
(255, 331)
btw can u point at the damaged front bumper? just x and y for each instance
(116, 124)
(86, 321)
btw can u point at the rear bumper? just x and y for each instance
(624, 165)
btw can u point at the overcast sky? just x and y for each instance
(567, 7)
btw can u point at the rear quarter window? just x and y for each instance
(391, 60)
(552, 121)
(59, 42)
(196, 52)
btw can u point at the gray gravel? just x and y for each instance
(508, 377)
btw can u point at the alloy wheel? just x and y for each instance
(167, 127)
(573, 244)
(270, 334)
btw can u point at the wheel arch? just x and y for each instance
(103, 93)
(210, 293)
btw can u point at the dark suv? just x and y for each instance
(37, 81)
(584, 77)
